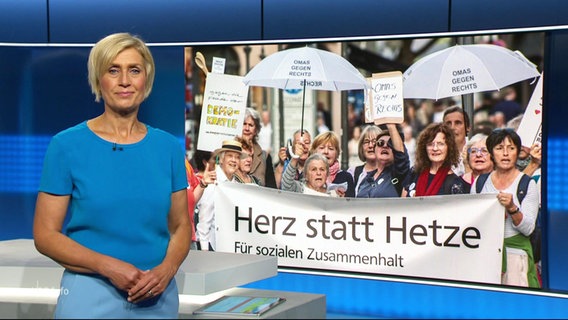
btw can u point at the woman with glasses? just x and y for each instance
(366, 152)
(392, 166)
(436, 153)
(504, 146)
(477, 158)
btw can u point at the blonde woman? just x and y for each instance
(124, 185)
(327, 144)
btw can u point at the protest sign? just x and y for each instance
(530, 128)
(223, 112)
(387, 102)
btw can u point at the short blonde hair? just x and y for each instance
(324, 138)
(106, 50)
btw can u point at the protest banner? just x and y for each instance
(456, 237)
(530, 128)
(222, 116)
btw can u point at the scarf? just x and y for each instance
(333, 170)
(422, 187)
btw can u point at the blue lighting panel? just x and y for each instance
(557, 170)
(21, 159)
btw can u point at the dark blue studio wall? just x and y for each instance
(556, 166)
(70, 21)
(43, 89)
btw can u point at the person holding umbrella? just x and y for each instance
(436, 153)
(299, 136)
(316, 174)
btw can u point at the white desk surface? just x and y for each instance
(29, 283)
(202, 273)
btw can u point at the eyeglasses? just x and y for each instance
(432, 145)
(482, 151)
(381, 143)
(369, 141)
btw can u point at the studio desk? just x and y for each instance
(29, 283)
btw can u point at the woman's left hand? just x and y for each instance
(152, 283)
(536, 153)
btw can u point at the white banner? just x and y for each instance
(458, 237)
(223, 113)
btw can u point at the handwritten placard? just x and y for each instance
(223, 112)
(387, 102)
(530, 128)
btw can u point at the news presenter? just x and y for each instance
(124, 184)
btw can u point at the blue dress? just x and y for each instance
(120, 194)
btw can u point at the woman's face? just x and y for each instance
(123, 83)
(229, 162)
(246, 161)
(479, 160)
(329, 151)
(437, 149)
(316, 174)
(249, 129)
(505, 155)
(382, 151)
(369, 141)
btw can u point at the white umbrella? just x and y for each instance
(305, 68)
(314, 68)
(464, 69)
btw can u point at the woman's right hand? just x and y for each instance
(121, 274)
(209, 175)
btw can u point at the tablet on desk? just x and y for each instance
(240, 305)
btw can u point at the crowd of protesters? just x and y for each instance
(435, 151)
